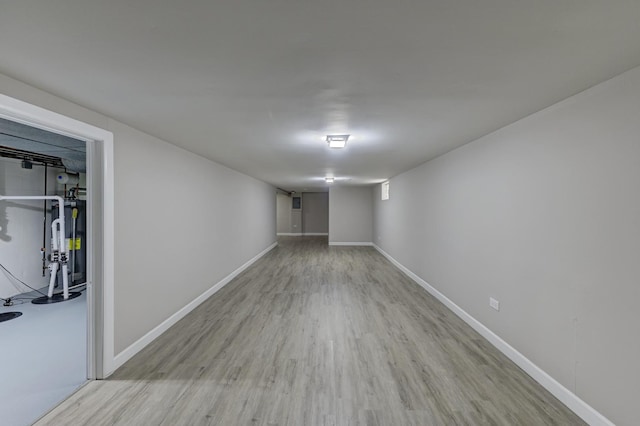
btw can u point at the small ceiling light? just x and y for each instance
(329, 179)
(337, 141)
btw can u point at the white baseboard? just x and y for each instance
(356, 243)
(138, 345)
(568, 398)
(300, 234)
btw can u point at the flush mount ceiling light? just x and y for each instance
(329, 179)
(337, 141)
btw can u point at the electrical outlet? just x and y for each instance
(494, 303)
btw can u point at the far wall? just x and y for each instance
(350, 215)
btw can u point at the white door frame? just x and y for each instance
(100, 221)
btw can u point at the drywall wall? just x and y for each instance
(315, 213)
(21, 226)
(182, 223)
(350, 214)
(183, 232)
(543, 215)
(283, 213)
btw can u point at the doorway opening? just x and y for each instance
(56, 194)
(302, 213)
(43, 261)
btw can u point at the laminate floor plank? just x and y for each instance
(317, 335)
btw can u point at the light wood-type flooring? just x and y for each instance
(317, 335)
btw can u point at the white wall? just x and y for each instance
(21, 224)
(350, 214)
(182, 225)
(283, 213)
(543, 215)
(168, 254)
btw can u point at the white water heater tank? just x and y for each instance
(67, 179)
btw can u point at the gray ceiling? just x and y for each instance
(257, 85)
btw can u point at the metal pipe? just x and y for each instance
(44, 225)
(74, 216)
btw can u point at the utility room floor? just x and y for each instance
(43, 355)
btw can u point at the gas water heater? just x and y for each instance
(75, 215)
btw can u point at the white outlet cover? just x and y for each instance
(494, 303)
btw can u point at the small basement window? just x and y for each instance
(385, 190)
